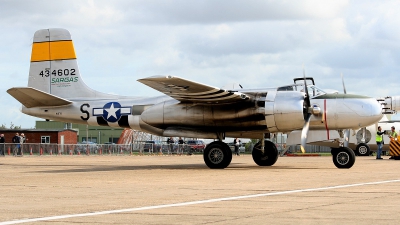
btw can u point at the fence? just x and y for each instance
(96, 149)
(140, 148)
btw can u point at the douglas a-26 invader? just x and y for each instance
(56, 91)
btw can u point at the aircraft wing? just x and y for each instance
(31, 97)
(189, 91)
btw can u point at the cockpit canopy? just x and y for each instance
(312, 89)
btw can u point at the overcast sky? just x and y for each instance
(259, 43)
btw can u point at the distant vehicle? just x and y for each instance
(153, 145)
(195, 146)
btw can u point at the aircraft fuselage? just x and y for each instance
(269, 111)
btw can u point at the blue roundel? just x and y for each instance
(112, 112)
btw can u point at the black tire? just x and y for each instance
(266, 158)
(363, 149)
(217, 155)
(343, 157)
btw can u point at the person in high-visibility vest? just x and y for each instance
(379, 142)
(393, 134)
(393, 137)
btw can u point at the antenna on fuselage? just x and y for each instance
(344, 88)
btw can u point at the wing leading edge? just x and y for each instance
(188, 91)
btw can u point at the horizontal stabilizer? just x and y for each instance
(189, 91)
(31, 97)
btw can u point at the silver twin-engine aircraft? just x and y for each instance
(56, 91)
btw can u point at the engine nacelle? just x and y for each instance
(391, 104)
(269, 112)
(284, 110)
(214, 118)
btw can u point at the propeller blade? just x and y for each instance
(344, 88)
(304, 133)
(346, 138)
(307, 98)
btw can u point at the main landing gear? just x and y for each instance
(343, 157)
(267, 157)
(217, 155)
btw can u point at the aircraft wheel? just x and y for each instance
(217, 155)
(266, 158)
(343, 157)
(363, 149)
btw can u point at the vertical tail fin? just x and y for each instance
(54, 68)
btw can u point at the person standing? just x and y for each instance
(170, 141)
(22, 140)
(2, 143)
(379, 142)
(393, 134)
(237, 143)
(15, 140)
(180, 143)
(393, 137)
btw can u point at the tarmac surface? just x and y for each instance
(182, 190)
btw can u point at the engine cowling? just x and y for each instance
(391, 104)
(284, 110)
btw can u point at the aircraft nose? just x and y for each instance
(366, 110)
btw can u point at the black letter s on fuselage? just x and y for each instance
(85, 111)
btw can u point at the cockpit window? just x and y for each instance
(315, 91)
(286, 88)
(312, 90)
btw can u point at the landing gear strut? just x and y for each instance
(267, 157)
(217, 155)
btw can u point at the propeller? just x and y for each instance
(307, 116)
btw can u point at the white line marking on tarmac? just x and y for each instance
(190, 203)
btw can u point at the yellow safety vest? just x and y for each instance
(393, 134)
(379, 138)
